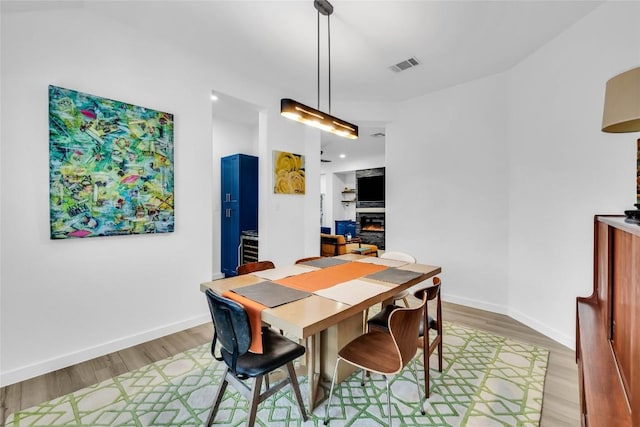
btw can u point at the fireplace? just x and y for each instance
(370, 188)
(370, 227)
(371, 223)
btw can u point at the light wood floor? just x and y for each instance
(560, 407)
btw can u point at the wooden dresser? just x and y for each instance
(608, 328)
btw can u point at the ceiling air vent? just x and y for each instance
(406, 64)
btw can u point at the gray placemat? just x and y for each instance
(393, 275)
(271, 294)
(325, 262)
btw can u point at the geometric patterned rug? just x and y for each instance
(487, 380)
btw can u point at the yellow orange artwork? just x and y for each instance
(288, 173)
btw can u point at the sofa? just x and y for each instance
(336, 244)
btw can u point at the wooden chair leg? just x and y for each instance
(365, 317)
(255, 400)
(425, 360)
(296, 390)
(218, 398)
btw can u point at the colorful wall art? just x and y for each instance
(288, 169)
(110, 165)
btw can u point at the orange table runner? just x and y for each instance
(330, 276)
(254, 311)
(310, 282)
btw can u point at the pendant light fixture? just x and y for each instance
(311, 116)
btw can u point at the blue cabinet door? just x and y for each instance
(239, 191)
(230, 239)
(248, 192)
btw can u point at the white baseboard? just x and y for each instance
(482, 305)
(567, 341)
(43, 367)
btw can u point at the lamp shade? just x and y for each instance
(622, 103)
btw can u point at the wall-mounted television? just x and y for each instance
(371, 188)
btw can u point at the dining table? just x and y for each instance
(322, 303)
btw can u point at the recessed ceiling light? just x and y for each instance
(342, 156)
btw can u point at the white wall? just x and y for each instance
(446, 189)
(527, 143)
(344, 211)
(339, 210)
(288, 223)
(229, 137)
(73, 299)
(67, 301)
(563, 169)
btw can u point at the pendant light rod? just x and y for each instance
(329, 54)
(318, 27)
(325, 8)
(314, 117)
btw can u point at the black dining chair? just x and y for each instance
(233, 332)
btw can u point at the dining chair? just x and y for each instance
(384, 353)
(250, 267)
(400, 256)
(311, 258)
(380, 322)
(232, 330)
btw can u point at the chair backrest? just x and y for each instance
(399, 256)
(250, 267)
(311, 258)
(431, 291)
(231, 326)
(404, 324)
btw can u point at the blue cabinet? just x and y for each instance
(346, 226)
(239, 191)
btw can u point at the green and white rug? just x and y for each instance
(487, 380)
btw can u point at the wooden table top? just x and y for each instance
(308, 316)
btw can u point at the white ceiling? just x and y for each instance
(275, 41)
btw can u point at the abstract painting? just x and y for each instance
(110, 167)
(288, 173)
